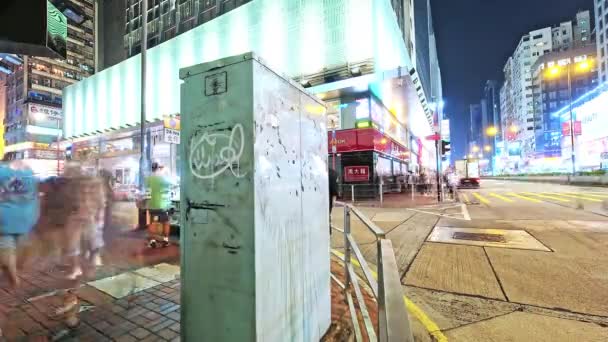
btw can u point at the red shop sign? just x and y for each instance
(356, 173)
(365, 139)
(578, 128)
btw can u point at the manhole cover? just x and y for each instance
(479, 237)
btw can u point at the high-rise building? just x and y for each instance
(508, 128)
(554, 92)
(111, 21)
(532, 46)
(34, 89)
(601, 35)
(491, 114)
(475, 131)
(169, 18)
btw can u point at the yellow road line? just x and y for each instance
(525, 198)
(594, 194)
(466, 198)
(481, 198)
(502, 197)
(545, 196)
(577, 197)
(414, 309)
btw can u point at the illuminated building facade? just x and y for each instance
(34, 90)
(552, 93)
(354, 57)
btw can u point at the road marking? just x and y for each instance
(481, 198)
(577, 197)
(594, 194)
(465, 212)
(545, 196)
(437, 214)
(502, 197)
(428, 324)
(466, 198)
(525, 198)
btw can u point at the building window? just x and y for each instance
(538, 36)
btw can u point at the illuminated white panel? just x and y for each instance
(42, 130)
(312, 37)
(359, 32)
(294, 37)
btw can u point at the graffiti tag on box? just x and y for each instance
(214, 152)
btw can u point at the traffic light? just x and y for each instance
(445, 147)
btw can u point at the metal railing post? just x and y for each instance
(381, 192)
(346, 244)
(352, 193)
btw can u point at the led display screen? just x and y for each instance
(46, 33)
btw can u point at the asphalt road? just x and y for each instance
(517, 262)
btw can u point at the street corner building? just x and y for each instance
(369, 61)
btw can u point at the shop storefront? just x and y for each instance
(119, 152)
(365, 157)
(44, 159)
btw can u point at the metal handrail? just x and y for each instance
(393, 321)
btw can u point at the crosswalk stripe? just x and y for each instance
(594, 194)
(576, 196)
(481, 198)
(546, 196)
(466, 198)
(502, 197)
(525, 198)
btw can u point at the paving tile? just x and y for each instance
(521, 326)
(176, 316)
(454, 268)
(124, 284)
(126, 338)
(167, 334)
(140, 333)
(164, 324)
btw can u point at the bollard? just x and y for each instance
(381, 192)
(412, 191)
(352, 194)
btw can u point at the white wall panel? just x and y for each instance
(294, 37)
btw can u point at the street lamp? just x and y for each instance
(555, 71)
(487, 148)
(491, 131)
(475, 149)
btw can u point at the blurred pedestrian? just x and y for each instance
(19, 210)
(84, 226)
(159, 205)
(333, 188)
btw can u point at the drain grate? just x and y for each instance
(479, 237)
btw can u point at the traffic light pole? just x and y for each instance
(438, 148)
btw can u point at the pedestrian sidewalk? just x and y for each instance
(135, 296)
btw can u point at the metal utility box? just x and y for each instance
(254, 206)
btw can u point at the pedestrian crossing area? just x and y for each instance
(491, 198)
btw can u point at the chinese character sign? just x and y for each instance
(356, 173)
(172, 136)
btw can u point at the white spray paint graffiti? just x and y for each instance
(215, 152)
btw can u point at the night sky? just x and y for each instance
(474, 40)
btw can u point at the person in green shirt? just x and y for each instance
(159, 205)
